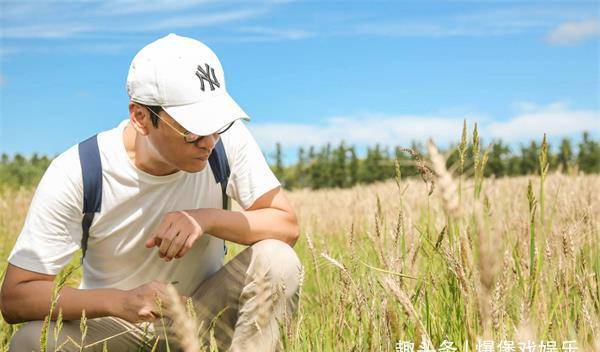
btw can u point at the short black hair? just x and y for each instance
(156, 109)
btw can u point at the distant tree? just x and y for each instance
(300, 169)
(498, 159)
(19, 159)
(588, 158)
(320, 169)
(20, 171)
(327, 167)
(529, 159)
(378, 163)
(278, 169)
(339, 167)
(311, 152)
(513, 165)
(312, 169)
(388, 165)
(35, 159)
(366, 170)
(565, 155)
(353, 166)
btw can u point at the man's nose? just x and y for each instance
(208, 142)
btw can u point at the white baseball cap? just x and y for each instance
(185, 78)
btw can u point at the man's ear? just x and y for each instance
(140, 118)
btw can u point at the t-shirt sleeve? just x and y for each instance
(251, 176)
(51, 233)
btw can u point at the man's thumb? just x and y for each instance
(150, 243)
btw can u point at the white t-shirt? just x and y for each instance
(133, 204)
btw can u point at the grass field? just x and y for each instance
(515, 259)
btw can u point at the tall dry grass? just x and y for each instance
(473, 260)
(485, 265)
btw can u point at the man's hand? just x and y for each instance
(139, 304)
(176, 234)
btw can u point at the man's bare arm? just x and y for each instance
(26, 296)
(248, 227)
(270, 217)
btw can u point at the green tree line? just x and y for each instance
(340, 166)
(20, 171)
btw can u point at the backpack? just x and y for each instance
(91, 169)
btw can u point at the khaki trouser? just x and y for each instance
(243, 302)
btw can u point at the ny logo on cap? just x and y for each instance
(205, 75)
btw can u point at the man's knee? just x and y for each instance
(281, 262)
(27, 338)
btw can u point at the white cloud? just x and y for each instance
(111, 48)
(66, 29)
(197, 20)
(360, 130)
(127, 7)
(258, 33)
(569, 33)
(555, 119)
(95, 21)
(496, 20)
(530, 122)
(60, 9)
(47, 31)
(414, 30)
(117, 36)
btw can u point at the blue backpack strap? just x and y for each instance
(220, 168)
(91, 170)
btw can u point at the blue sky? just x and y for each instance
(311, 72)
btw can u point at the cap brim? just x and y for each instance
(208, 116)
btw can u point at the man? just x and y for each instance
(161, 221)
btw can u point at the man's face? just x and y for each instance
(172, 148)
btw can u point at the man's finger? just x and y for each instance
(167, 240)
(176, 245)
(153, 241)
(163, 227)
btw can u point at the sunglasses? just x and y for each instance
(188, 136)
